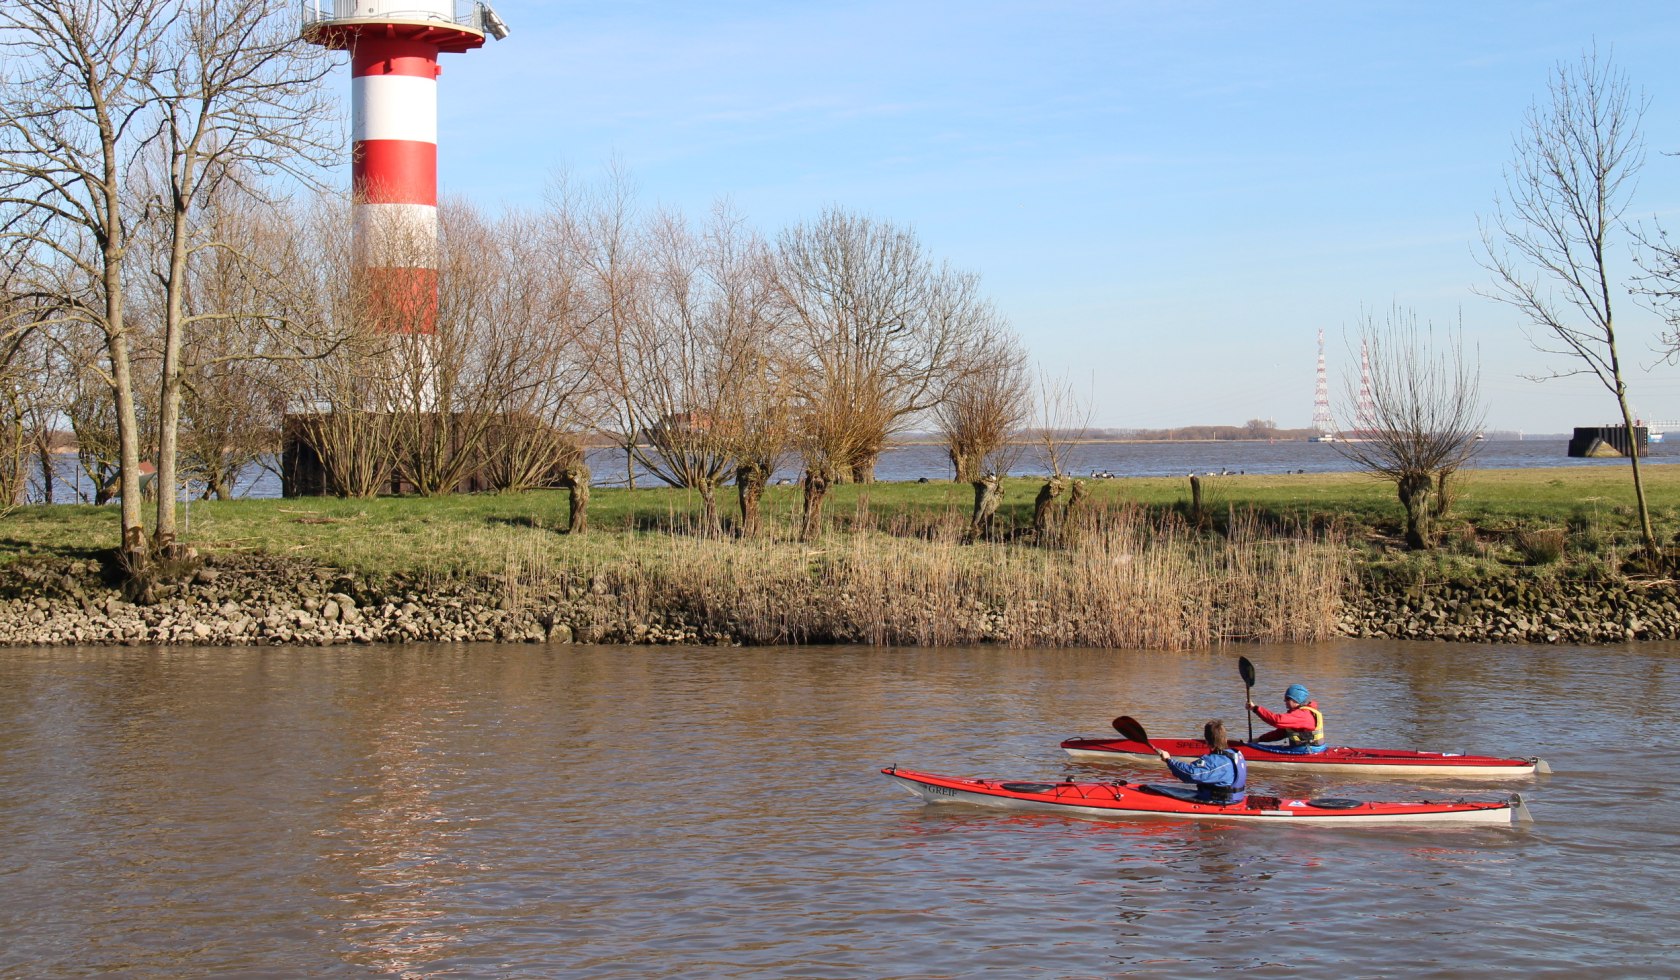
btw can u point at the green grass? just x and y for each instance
(451, 536)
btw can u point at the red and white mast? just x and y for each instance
(1323, 423)
(394, 47)
(1365, 418)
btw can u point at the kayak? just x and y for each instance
(1120, 799)
(1395, 762)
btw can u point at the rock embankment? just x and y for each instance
(246, 600)
(1517, 612)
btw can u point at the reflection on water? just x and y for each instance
(618, 812)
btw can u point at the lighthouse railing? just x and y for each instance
(461, 13)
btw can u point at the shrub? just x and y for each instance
(1540, 546)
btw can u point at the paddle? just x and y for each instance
(1246, 669)
(1129, 727)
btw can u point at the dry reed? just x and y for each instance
(1122, 579)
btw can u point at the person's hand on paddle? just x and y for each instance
(1164, 754)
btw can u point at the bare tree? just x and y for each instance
(549, 398)
(695, 354)
(240, 100)
(236, 336)
(759, 426)
(1064, 419)
(980, 416)
(455, 377)
(1426, 413)
(18, 392)
(1549, 244)
(77, 98)
(340, 377)
(877, 327)
(600, 229)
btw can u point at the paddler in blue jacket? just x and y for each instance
(1221, 776)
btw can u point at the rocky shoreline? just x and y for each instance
(256, 600)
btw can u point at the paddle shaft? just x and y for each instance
(1245, 667)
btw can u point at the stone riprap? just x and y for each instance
(1517, 612)
(244, 600)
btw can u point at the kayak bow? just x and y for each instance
(1119, 799)
(1396, 762)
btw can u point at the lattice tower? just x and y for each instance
(1322, 420)
(1366, 417)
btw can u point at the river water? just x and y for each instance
(919, 461)
(506, 811)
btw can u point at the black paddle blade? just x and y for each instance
(1129, 727)
(1246, 668)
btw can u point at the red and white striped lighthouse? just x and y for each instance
(394, 47)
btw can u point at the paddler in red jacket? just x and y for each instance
(1300, 726)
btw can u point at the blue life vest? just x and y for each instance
(1226, 794)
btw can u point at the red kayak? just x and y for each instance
(1120, 799)
(1333, 759)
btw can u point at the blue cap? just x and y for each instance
(1298, 694)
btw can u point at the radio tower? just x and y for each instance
(1322, 422)
(394, 47)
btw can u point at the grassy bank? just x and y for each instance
(465, 535)
(1270, 558)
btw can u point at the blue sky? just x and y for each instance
(1166, 199)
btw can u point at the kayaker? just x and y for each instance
(1221, 776)
(1300, 726)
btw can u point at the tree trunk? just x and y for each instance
(987, 497)
(576, 480)
(1414, 496)
(169, 395)
(963, 470)
(133, 552)
(45, 451)
(1075, 503)
(1076, 497)
(749, 486)
(816, 485)
(1043, 513)
(1652, 552)
(1445, 492)
(710, 524)
(863, 467)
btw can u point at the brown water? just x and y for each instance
(618, 812)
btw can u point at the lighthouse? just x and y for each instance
(394, 47)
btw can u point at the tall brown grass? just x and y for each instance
(1119, 579)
